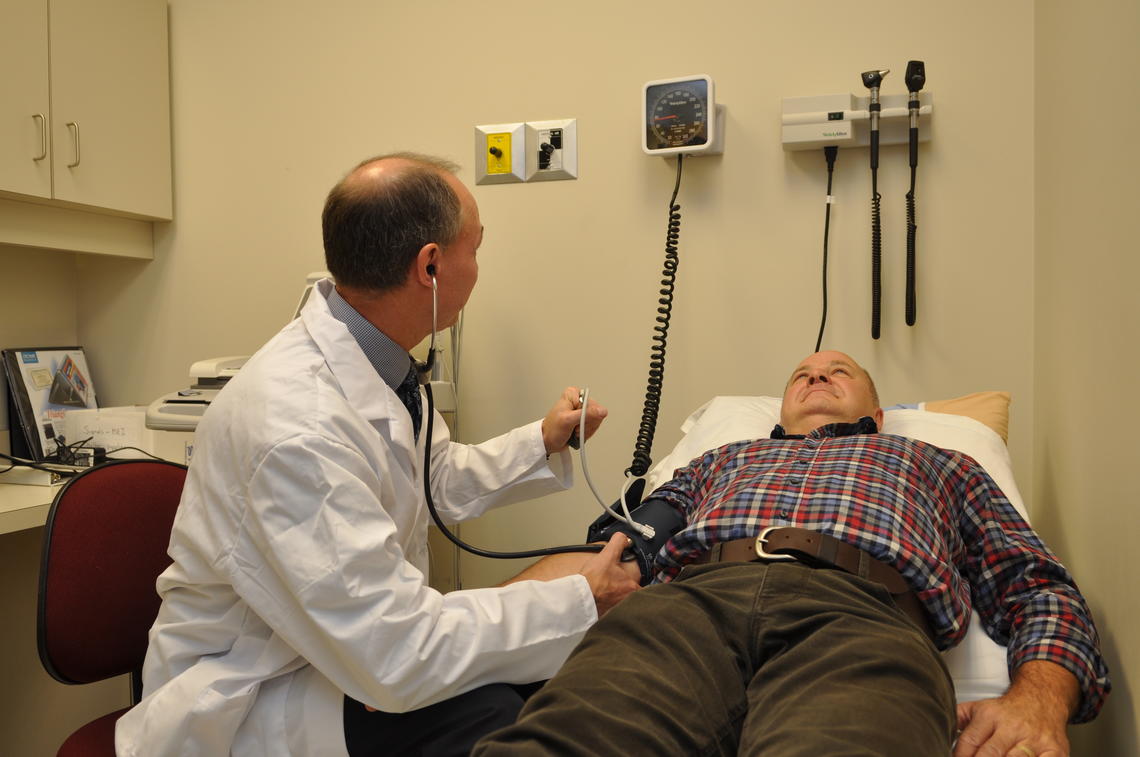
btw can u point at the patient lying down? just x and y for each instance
(826, 634)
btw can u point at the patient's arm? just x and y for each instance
(610, 579)
(1033, 713)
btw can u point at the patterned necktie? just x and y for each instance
(409, 394)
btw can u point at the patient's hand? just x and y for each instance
(1028, 720)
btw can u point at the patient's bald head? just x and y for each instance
(828, 387)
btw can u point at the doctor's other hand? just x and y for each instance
(562, 420)
(610, 579)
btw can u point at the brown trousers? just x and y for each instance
(773, 659)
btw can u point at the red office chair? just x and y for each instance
(104, 545)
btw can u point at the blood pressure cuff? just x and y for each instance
(664, 519)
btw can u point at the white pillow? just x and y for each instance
(978, 664)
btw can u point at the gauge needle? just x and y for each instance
(665, 118)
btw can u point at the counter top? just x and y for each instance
(24, 506)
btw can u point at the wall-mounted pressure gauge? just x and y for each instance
(681, 116)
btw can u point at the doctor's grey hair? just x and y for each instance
(374, 229)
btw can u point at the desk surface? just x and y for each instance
(24, 506)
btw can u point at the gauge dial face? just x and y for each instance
(676, 114)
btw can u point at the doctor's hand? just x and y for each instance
(610, 579)
(563, 418)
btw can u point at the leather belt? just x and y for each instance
(819, 550)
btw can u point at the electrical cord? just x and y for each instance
(20, 462)
(65, 464)
(648, 426)
(136, 449)
(66, 468)
(68, 453)
(915, 80)
(829, 154)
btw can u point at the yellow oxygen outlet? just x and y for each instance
(499, 153)
(496, 160)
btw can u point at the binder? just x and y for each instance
(43, 383)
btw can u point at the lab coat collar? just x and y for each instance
(362, 385)
(389, 359)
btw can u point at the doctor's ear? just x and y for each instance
(426, 262)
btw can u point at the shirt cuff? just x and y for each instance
(562, 466)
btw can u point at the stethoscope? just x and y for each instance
(424, 370)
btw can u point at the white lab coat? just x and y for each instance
(300, 563)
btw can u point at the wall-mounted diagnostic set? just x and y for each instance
(836, 121)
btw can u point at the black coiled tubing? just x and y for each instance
(648, 426)
(876, 264)
(911, 237)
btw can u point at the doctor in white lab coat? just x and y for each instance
(299, 582)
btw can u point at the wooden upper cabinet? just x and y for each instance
(109, 119)
(25, 107)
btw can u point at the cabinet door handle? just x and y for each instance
(73, 127)
(43, 136)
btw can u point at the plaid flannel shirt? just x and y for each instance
(933, 514)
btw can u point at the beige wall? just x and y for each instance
(1087, 319)
(37, 306)
(273, 100)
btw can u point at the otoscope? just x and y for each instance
(915, 79)
(872, 80)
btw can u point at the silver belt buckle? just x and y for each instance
(762, 539)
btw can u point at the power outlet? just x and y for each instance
(552, 150)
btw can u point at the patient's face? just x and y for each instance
(827, 387)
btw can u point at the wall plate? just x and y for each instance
(500, 154)
(552, 150)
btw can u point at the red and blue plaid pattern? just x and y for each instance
(934, 514)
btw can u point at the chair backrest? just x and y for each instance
(104, 545)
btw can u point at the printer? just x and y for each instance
(181, 410)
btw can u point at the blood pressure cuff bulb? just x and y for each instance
(664, 519)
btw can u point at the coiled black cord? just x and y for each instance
(876, 259)
(911, 237)
(648, 425)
